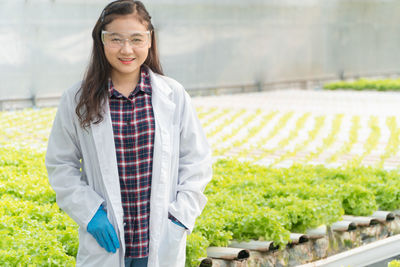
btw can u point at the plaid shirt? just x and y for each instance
(134, 126)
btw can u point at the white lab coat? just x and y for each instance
(181, 171)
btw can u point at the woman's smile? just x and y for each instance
(126, 61)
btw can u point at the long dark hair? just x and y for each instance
(93, 91)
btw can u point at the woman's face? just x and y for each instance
(126, 58)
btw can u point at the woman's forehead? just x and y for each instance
(126, 24)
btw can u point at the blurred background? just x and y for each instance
(208, 46)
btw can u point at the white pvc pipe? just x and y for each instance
(362, 256)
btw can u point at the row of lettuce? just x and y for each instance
(245, 202)
(365, 84)
(254, 202)
(394, 263)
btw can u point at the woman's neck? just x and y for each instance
(125, 84)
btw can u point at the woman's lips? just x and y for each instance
(126, 61)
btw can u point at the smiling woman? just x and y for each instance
(126, 40)
(107, 61)
(127, 156)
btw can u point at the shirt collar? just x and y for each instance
(143, 84)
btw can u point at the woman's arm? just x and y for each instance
(195, 168)
(63, 165)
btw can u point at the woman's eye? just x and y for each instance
(116, 40)
(136, 40)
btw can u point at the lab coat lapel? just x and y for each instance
(103, 137)
(163, 109)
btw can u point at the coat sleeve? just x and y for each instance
(195, 168)
(63, 163)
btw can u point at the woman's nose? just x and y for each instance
(126, 47)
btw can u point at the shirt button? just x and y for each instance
(124, 223)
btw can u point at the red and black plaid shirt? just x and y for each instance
(134, 126)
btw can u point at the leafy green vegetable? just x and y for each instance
(366, 84)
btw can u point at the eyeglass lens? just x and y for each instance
(116, 40)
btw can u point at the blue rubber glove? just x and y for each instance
(178, 223)
(103, 231)
(175, 221)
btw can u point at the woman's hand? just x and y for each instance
(103, 231)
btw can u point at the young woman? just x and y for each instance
(127, 156)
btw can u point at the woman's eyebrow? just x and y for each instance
(127, 34)
(115, 33)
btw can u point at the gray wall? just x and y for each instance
(45, 44)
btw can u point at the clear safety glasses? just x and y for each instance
(136, 39)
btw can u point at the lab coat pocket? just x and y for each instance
(90, 254)
(88, 244)
(173, 248)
